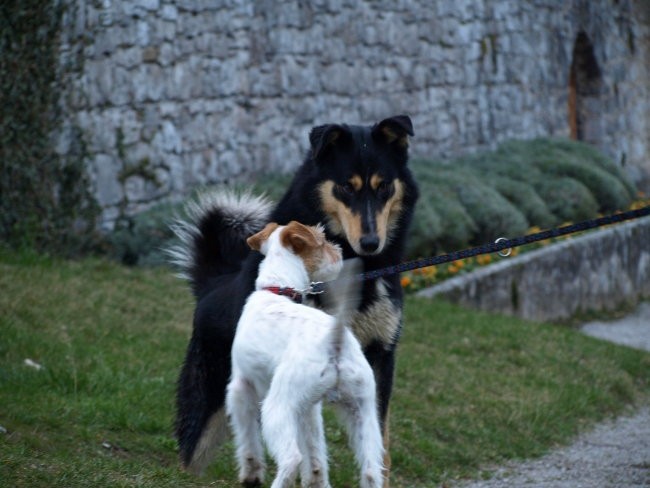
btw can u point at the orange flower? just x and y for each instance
(405, 281)
(430, 271)
(639, 204)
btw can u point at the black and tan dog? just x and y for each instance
(356, 181)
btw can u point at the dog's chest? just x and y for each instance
(380, 320)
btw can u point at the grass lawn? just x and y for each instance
(472, 389)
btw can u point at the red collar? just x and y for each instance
(284, 291)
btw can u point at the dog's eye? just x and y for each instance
(347, 188)
(383, 189)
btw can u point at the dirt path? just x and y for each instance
(615, 454)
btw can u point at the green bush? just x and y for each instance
(568, 199)
(580, 161)
(142, 239)
(523, 197)
(441, 223)
(493, 214)
(608, 191)
(543, 182)
(469, 210)
(45, 202)
(588, 153)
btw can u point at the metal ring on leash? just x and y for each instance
(504, 253)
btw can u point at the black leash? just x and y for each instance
(497, 246)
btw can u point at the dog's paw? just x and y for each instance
(251, 483)
(320, 483)
(372, 478)
(253, 473)
(316, 479)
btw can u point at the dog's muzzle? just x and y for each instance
(369, 243)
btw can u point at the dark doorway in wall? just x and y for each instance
(585, 90)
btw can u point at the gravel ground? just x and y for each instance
(616, 454)
(631, 331)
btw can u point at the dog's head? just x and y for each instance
(363, 179)
(322, 259)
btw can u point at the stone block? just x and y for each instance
(108, 217)
(119, 91)
(169, 12)
(148, 4)
(171, 141)
(142, 33)
(166, 31)
(194, 134)
(177, 82)
(192, 6)
(150, 54)
(176, 171)
(128, 57)
(108, 189)
(135, 189)
(166, 55)
(147, 83)
(129, 125)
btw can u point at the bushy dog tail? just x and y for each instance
(343, 296)
(213, 234)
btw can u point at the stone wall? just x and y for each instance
(603, 270)
(165, 95)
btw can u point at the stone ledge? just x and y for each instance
(602, 270)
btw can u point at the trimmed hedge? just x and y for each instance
(491, 214)
(467, 201)
(142, 239)
(523, 197)
(537, 183)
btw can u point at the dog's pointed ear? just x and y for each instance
(256, 241)
(298, 237)
(395, 129)
(324, 137)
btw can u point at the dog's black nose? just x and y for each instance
(369, 243)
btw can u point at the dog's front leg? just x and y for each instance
(280, 426)
(314, 469)
(242, 403)
(358, 410)
(382, 360)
